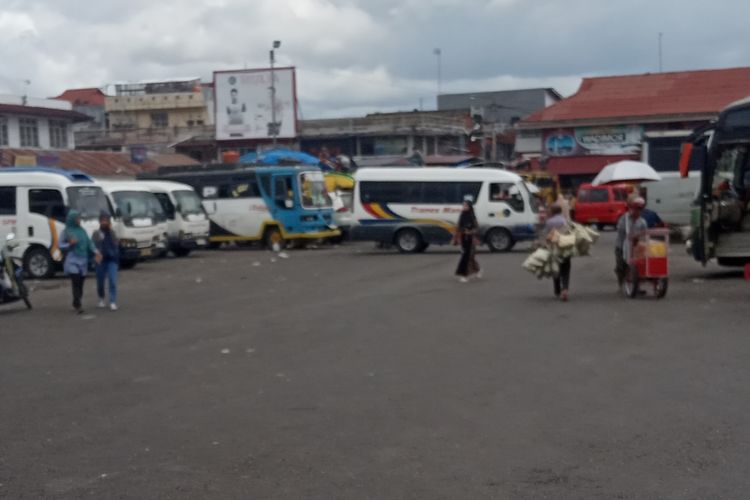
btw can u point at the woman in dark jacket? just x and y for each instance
(106, 242)
(466, 236)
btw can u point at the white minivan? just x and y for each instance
(187, 222)
(33, 204)
(412, 208)
(139, 221)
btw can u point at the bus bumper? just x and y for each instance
(525, 232)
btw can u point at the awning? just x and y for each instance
(581, 165)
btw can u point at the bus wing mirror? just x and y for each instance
(692, 155)
(118, 213)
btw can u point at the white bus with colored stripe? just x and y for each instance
(413, 208)
(33, 204)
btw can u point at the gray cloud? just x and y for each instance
(363, 55)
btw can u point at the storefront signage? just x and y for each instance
(618, 140)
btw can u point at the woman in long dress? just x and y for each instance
(466, 236)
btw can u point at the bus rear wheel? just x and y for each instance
(273, 240)
(409, 241)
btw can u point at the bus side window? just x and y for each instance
(283, 192)
(8, 200)
(166, 205)
(47, 202)
(508, 193)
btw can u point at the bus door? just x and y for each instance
(285, 208)
(46, 216)
(703, 236)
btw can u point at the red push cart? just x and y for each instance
(649, 262)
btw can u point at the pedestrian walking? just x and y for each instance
(106, 242)
(556, 226)
(466, 236)
(630, 228)
(79, 250)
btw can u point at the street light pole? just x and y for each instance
(274, 129)
(438, 53)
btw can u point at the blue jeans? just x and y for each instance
(107, 270)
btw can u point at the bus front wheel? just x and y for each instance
(500, 240)
(273, 239)
(38, 263)
(409, 241)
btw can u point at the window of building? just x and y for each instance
(47, 202)
(58, 134)
(29, 133)
(7, 200)
(3, 131)
(159, 120)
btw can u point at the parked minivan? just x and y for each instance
(187, 222)
(601, 205)
(139, 221)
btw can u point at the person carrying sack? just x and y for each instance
(560, 238)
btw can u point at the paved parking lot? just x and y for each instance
(354, 373)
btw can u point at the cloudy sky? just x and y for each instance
(358, 56)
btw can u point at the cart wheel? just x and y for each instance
(630, 285)
(661, 287)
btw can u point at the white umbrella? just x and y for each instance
(626, 171)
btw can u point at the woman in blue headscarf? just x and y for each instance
(79, 248)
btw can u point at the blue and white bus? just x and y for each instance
(272, 205)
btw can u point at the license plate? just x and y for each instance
(202, 241)
(146, 252)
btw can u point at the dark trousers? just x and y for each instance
(468, 263)
(76, 280)
(562, 280)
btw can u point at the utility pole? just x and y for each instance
(438, 53)
(661, 35)
(273, 127)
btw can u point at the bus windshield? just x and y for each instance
(313, 191)
(189, 202)
(90, 201)
(135, 203)
(731, 165)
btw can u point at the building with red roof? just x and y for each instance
(642, 117)
(90, 102)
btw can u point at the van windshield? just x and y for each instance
(135, 203)
(189, 202)
(313, 191)
(90, 201)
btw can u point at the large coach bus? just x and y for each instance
(33, 204)
(412, 208)
(272, 205)
(721, 212)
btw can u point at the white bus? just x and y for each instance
(187, 223)
(33, 204)
(139, 221)
(412, 208)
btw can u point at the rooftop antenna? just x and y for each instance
(661, 35)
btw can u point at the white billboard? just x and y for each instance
(243, 104)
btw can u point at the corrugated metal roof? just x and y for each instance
(96, 163)
(681, 93)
